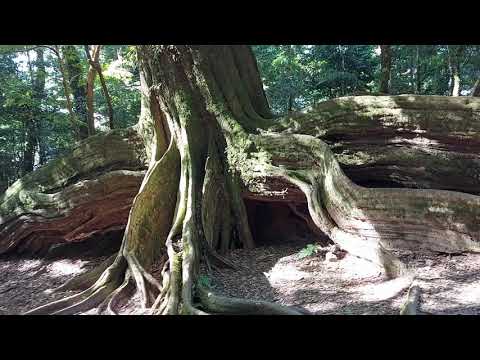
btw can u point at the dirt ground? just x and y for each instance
(26, 283)
(348, 285)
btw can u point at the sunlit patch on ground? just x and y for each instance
(27, 265)
(450, 285)
(469, 293)
(27, 283)
(66, 267)
(349, 285)
(352, 267)
(384, 290)
(285, 272)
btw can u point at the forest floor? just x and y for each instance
(346, 285)
(26, 283)
(349, 285)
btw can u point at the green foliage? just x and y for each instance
(205, 281)
(298, 76)
(20, 104)
(123, 81)
(309, 250)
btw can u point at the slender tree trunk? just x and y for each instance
(106, 94)
(66, 90)
(454, 55)
(290, 103)
(476, 89)
(30, 145)
(456, 81)
(96, 68)
(385, 71)
(30, 128)
(105, 91)
(91, 75)
(39, 96)
(76, 79)
(417, 71)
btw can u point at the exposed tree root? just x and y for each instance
(84, 281)
(310, 223)
(90, 298)
(110, 303)
(226, 305)
(410, 307)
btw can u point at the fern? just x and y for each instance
(309, 250)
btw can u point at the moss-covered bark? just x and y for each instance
(74, 197)
(211, 140)
(399, 141)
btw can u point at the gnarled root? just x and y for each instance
(410, 307)
(106, 292)
(110, 279)
(226, 305)
(370, 222)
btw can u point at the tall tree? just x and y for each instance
(385, 70)
(211, 139)
(77, 83)
(34, 123)
(105, 92)
(476, 89)
(66, 88)
(455, 54)
(91, 75)
(417, 73)
(39, 96)
(96, 68)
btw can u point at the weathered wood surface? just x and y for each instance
(74, 197)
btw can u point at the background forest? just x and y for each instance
(54, 95)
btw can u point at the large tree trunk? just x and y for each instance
(378, 141)
(211, 140)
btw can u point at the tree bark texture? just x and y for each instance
(77, 84)
(385, 70)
